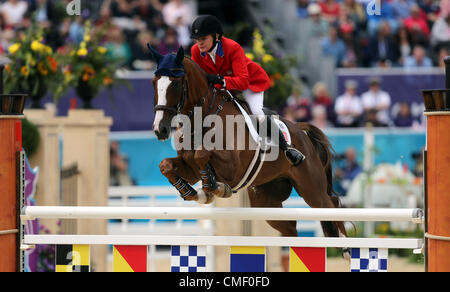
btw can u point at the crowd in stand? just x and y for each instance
(132, 24)
(357, 33)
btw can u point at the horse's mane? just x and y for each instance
(195, 65)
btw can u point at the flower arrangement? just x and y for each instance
(282, 82)
(34, 69)
(88, 68)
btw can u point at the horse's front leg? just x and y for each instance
(177, 172)
(209, 180)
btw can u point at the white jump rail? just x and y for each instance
(196, 213)
(339, 242)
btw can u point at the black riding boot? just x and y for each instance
(294, 156)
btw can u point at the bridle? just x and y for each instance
(179, 108)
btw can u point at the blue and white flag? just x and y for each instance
(369, 260)
(188, 259)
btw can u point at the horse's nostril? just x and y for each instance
(164, 131)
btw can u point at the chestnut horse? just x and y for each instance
(180, 85)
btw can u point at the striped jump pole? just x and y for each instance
(437, 177)
(11, 114)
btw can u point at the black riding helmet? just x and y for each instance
(206, 25)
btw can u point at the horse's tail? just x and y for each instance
(325, 150)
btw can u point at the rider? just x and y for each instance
(226, 65)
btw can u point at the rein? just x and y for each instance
(185, 96)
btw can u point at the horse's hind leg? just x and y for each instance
(272, 195)
(312, 186)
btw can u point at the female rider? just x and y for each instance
(226, 66)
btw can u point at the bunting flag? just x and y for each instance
(369, 260)
(188, 258)
(307, 259)
(129, 258)
(72, 258)
(247, 259)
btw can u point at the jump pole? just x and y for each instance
(11, 115)
(437, 177)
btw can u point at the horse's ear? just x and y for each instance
(155, 54)
(180, 56)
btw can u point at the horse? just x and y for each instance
(180, 87)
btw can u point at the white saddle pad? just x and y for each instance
(254, 134)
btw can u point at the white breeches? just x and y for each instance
(256, 101)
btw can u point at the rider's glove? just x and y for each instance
(215, 79)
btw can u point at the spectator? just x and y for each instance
(333, 46)
(302, 9)
(376, 103)
(298, 108)
(119, 175)
(141, 59)
(404, 117)
(330, 10)
(316, 26)
(319, 117)
(404, 45)
(175, 9)
(118, 49)
(352, 52)
(14, 11)
(183, 33)
(382, 48)
(440, 32)
(345, 174)
(169, 43)
(417, 26)
(321, 96)
(76, 30)
(355, 12)
(418, 59)
(348, 106)
(371, 118)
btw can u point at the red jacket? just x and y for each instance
(240, 72)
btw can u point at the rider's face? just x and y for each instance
(205, 43)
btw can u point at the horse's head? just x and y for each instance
(170, 91)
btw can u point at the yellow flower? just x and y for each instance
(24, 70)
(82, 52)
(83, 45)
(102, 50)
(267, 58)
(37, 46)
(250, 56)
(87, 37)
(14, 48)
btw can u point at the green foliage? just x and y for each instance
(88, 65)
(34, 68)
(30, 137)
(278, 69)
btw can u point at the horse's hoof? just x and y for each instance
(223, 191)
(204, 198)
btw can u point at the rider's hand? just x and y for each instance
(215, 79)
